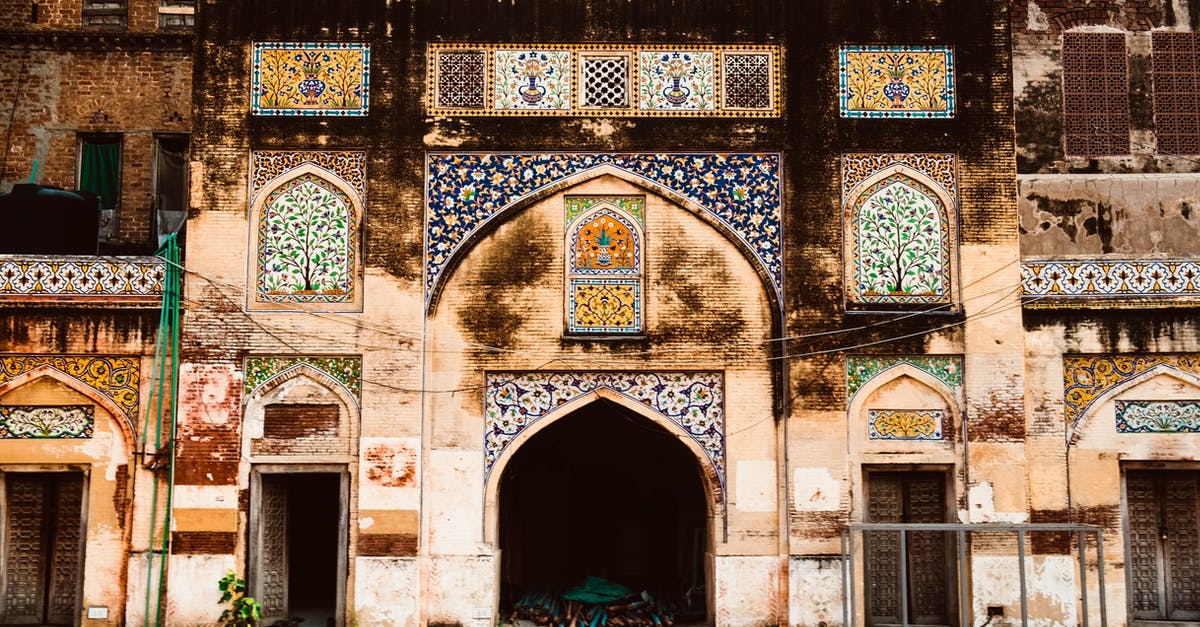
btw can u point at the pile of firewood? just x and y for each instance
(552, 610)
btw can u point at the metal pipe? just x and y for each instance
(903, 578)
(846, 576)
(1100, 577)
(1021, 573)
(850, 599)
(963, 606)
(1082, 540)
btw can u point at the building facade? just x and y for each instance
(718, 301)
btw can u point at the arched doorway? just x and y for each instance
(605, 492)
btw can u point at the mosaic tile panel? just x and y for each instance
(467, 190)
(693, 401)
(84, 278)
(345, 370)
(747, 81)
(116, 378)
(461, 78)
(896, 81)
(307, 236)
(861, 369)
(1140, 282)
(310, 79)
(905, 424)
(47, 422)
(604, 81)
(621, 79)
(940, 168)
(1088, 377)
(532, 79)
(604, 306)
(899, 244)
(604, 243)
(676, 80)
(632, 205)
(1157, 416)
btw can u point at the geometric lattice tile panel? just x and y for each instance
(62, 278)
(860, 369)
(47, 422)
(604, 306)
(621, 79)
(692, 401)
(1157, 416)
(899, 228)
(467, 190)
(1095, 84)
(346, 371)
(1110, 282)
(1176, 77)
(116, 378)
(905, 424)
(1088, 377)
(308, 227)
(896, 81)
(310, 79)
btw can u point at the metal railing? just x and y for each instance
(964, 532)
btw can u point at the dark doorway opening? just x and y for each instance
(299, 541)
(604, 492)
(43, 539)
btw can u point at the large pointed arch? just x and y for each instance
(887, 268)
(746, 212)
(711, 475)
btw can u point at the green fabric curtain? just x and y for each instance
(100, 172)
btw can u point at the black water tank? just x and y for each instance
(45, 220)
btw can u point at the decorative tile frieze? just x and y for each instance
(81, 279)
(905, 424)
(620, 80)
(692, 401)
(1110, 282)
(345, 371)
(604, 306)
(465, 191)
(896, 81)
(1087, 378)
(47, 422)
(308, 208)
(1157, 416)
(862, 369)
(941, 168)
(310, 79)
(115, 378)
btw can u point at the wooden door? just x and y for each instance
(1164, 544)
(44, 548)
(270, 576)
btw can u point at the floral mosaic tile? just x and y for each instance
(861, 369)
(532, 79)
(310, 79)
(465, 191)
(1109, 282)
(632, 205)
(1088, 377)
(47, 422)
(115, 378)
(900, 228)
(82, 278)
(308, 219)
(620, 79)
(604, 243)
(604, 306)
(346, 371)
(676, 80)
(1157, 416)
(896, 81)
(692, 401)
(905, 424)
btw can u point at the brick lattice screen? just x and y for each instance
(1095, 94)
(1176, 65)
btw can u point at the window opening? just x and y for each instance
(100, 173)
(1095, 94)
(170, 184)
(180, 14)
(105, 13)
(1176, 68)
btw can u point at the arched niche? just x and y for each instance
(905, 409)
(301, 412)
(1098, 429)
(44, 384)
(322, 274)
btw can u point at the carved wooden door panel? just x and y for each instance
(909, 497)
(1164, 544)
(272, 532)
(44, 548)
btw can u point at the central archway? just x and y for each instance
(605, 492)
